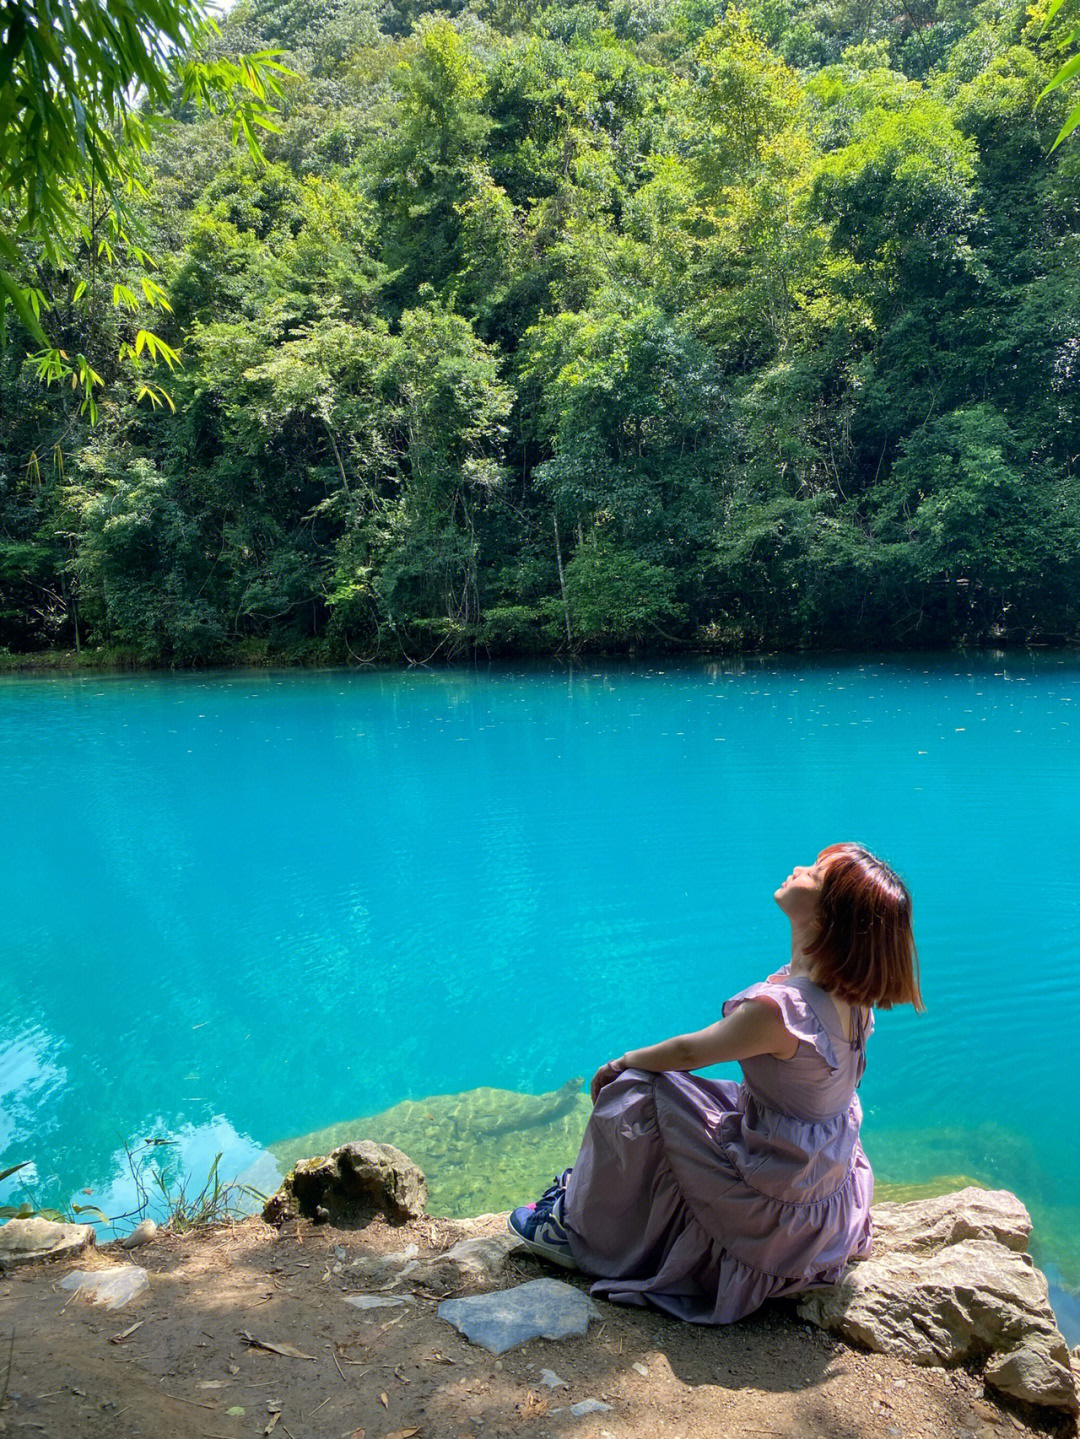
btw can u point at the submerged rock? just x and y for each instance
(485, 1149)
(949, 1282)
(350, 1186)
(541, 1309)
(30, 1241)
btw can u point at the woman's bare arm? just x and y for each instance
(752, 1028)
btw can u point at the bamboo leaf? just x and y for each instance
(1067, 129)
(18, 299)
(1066, 73)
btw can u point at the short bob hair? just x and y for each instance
(864, 948)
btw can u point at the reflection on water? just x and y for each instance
(154, 1168)
(152, 1171)
(27, 1077)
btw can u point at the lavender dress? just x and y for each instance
(704, 1198)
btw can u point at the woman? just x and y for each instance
(703, 1198)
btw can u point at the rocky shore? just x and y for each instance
(354, 1313)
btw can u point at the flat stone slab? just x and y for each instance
(378, 1301)
(541, 1309)
(30, 1241)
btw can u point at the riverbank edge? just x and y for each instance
(108, 660)
(242, 1321)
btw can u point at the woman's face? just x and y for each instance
(799, 894)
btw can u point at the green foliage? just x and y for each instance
(532, 326)
(1068, 70)
(616, 597)
(217, 1201)
(83, 86)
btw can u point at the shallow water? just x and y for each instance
(241, 908)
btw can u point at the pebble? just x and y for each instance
(551, 1379)
(642, 1369)
(141, 1234)
(377, 1301)
(589, 1406)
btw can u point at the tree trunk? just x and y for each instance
(562, 581)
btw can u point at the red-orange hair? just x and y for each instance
(864, 948)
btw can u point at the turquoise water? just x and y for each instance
(241, 907)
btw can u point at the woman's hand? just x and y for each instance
(604, 1075)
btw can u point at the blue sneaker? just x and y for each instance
(540, 1228)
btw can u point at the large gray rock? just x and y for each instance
(948, 1282)
(350, 1186)
(29, 1241)
(541, 1309)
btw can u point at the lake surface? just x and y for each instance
(242, 907)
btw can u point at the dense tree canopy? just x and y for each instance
(548, 325)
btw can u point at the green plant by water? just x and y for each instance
(160, 1191)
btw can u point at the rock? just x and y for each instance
(589, 1406)
(473, 1263)
(113, 1287)
(141, 1234)
(551, 1380)
(29, 1241)
(948, 1283)
(350, 1186)
(1033, 1369)
(385, 1263)
(378, 1301)
(926, 1225)
(541, 1309)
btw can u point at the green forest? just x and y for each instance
(537, 328)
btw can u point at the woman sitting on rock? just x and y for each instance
(703, 1198)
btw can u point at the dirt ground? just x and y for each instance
(175, 1363)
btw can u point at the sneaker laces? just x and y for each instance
(552, 1194)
